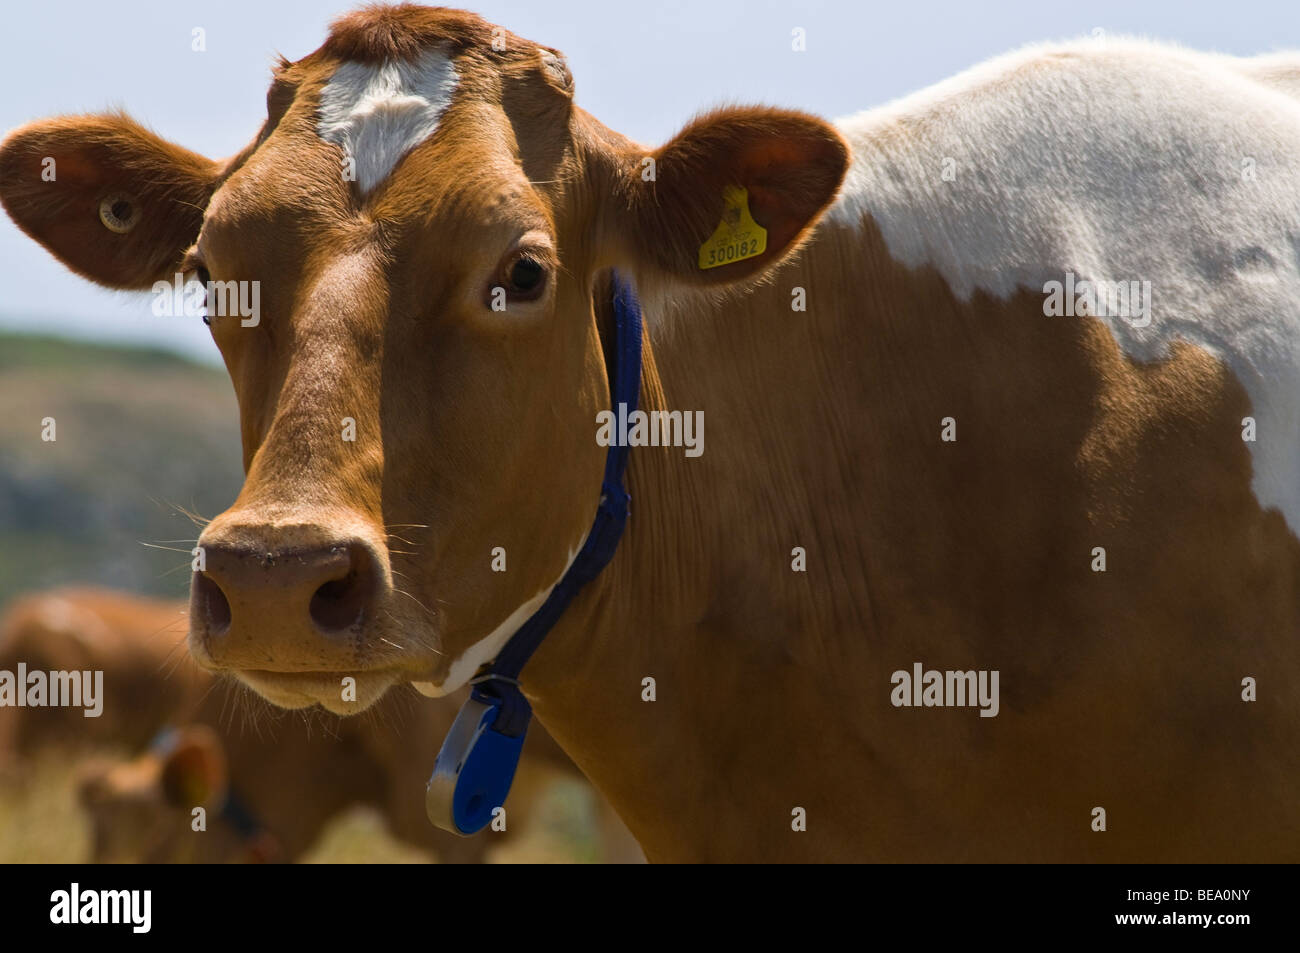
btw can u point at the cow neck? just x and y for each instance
(477, 762)
(500, 681)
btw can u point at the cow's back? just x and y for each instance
(1114, 160)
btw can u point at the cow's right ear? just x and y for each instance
(108, 198)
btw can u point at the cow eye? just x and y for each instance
(204, 277)
(526, 278)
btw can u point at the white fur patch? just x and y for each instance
(377, 114)
(1117, 160)
(486, 648)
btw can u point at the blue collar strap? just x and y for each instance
(477, 762)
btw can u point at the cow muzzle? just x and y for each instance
(293, 612)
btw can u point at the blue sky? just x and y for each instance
(643, 68)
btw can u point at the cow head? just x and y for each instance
(143, 810)
(430, 223)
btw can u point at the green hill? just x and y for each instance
(140, 435)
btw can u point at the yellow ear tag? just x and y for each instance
(737, 236)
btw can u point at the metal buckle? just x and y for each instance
(473, 773)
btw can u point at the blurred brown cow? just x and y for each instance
(269, 781)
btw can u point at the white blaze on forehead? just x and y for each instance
(1120, 160)
(378, 113)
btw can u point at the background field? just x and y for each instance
(142, 436)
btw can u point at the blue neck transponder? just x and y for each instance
(477, 762)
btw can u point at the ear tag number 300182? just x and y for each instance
(737, 236)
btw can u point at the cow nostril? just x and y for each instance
(213, 607)
(340, 603)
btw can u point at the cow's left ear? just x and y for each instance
(195, 770)
(732, 194)
(108, 198)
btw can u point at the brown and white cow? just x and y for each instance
(137, 642)
(188, 744)
(919, 452)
